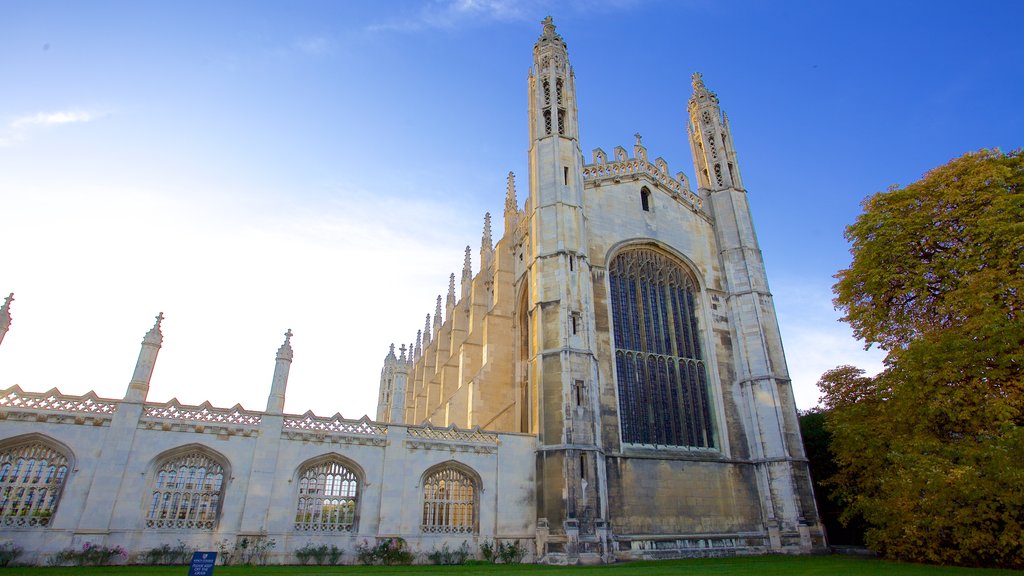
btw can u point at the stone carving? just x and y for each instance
(334, 425)
(53, 401)
(205, 412)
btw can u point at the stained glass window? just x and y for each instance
(659, 365)
(186, 492)
(449, 501)
(32, 477)
(328, 494)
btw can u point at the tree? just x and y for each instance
(817, 447)
(930, 452)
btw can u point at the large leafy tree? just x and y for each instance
(930, 452)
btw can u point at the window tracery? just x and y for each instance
(449, 501)
(187, 492)
(32, 476)
(328, 496)
(662, 379)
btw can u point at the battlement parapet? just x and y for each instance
(14, 399)
(175, 411)
(602, 170)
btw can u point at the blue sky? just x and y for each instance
(248, 167)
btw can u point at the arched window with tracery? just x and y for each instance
(659, 364)
(450, 501)
(187, 491)
(328, 495)
(32, 475)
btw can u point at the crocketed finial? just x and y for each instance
(511, 203)
(437, 314)
(451, 293)
(5, 311)
(700, 91)
(154, 336)
(485, 241)
(285, 351)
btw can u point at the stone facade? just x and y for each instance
(625, 321)
(114, 455)
(609, 385)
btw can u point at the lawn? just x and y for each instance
(759, 565)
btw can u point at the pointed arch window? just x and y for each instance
(450, 497)
(328, 497)
(32, 476)
(659, 364)
(186, 492)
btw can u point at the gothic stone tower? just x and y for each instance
(626, 323)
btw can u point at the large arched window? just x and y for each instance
(449, 500)
(187, 491)
(328, 495)
(662, 380)
(32, 475)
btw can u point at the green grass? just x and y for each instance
(755, 565)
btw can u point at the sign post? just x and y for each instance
(202, 564)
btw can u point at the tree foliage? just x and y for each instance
(930, 452)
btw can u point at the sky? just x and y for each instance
(251, 167)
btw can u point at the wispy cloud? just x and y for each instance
(451, 13)
(19, 129)
(314, 46)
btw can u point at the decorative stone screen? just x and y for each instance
(328, 494)
(662, 381)
(31, 479)
(449, 502)
(187, 493)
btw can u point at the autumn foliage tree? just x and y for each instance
(930, 452)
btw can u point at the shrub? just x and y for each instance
(9, 552)
(504, 552)
(166, 555)
(89, 555)
(321, 555)
(511, 552)
(387, 551)
(447, 556)
(249, 550)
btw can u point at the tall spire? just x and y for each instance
(467, 274)
(138, 388)
(486, 243)
(419, 343)
(426, 332)
(486, 246)
(714, 155)
(450, 305)
(437, 315)
(279, 385)
(511, 206)
(700, 91)
(5, 316)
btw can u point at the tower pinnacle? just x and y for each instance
(285, 351)
(275, 401)
(511, 205)
(437, 315)
(450, 304)
(5, 316)
(138, 388)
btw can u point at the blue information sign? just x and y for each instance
(202, 564)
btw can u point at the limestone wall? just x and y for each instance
(264, 454)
